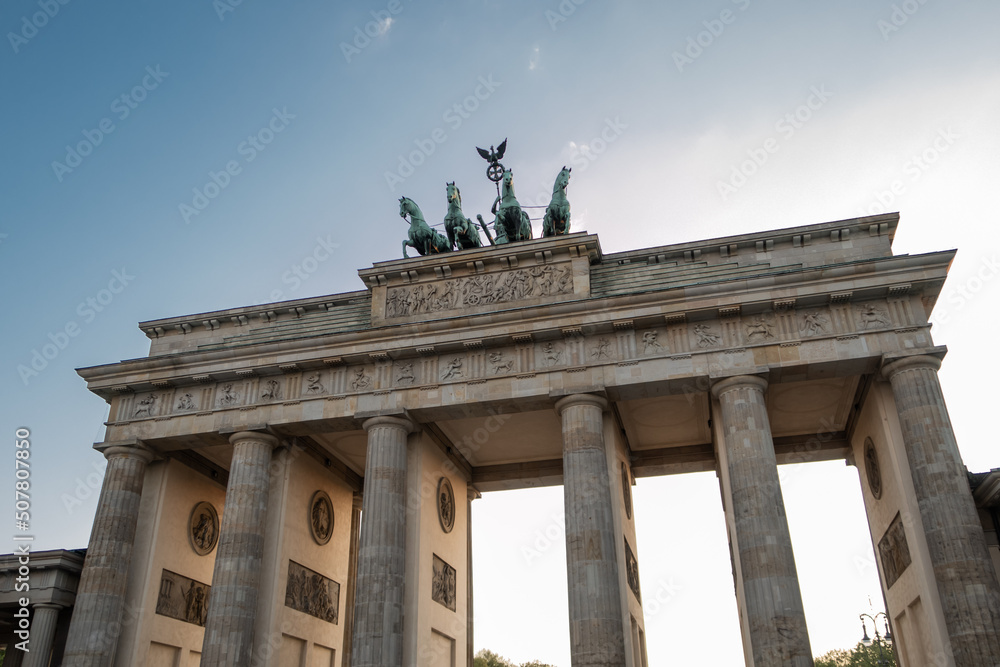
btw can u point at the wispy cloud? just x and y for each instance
(533, 60)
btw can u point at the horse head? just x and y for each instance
(508, 181)
(562, 180)
(409, 207)
(454, 194)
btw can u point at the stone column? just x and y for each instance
(352, 578)
(775, 617)
(470, 648)
(967, 583)
(13, 657)
(378, 606)
(596, 628)
(232, 603)
(100, 598)
(43, 629)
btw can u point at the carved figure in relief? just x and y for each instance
(272, 390)
(706, 337)
(321, 519)
(454, 369)
(649, 343)
(314, 385)
(361, 380)
(443, 583)
(479, 289)
(196, 610)
(814, 324)
(185, 402)
(500, 365)
(603, 349)
(144, 407)
(758, 329)
(553, 355)
(404, 374)
(203, 532)
(872, 316)
(229, 395)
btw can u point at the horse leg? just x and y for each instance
(407, 243)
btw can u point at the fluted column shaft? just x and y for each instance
(966, 580)
(774, 612)
(232, 604)
(352, 580)
(43, 629)
(596, 628)
(378, 607)
(100, 599)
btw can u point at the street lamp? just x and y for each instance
(880, 640)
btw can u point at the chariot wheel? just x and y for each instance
(494, 172)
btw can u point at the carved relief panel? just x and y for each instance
(183, 598)
(443, 583)
(479, 289)
(312, 593)
(894, 552)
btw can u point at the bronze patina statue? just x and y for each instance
(511, 223)
(494, 172)
(462, 234)
(422, 238)
(556, 220)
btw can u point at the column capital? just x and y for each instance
(126, 450)
(914, 362)
(473, 493)
(48, 605)
(399, 422)
(581, 399)
(258, 436)
(736, 382)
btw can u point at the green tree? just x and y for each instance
(487, 658)
(859, 656)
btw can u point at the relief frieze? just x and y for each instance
(481, 289)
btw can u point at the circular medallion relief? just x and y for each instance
(627, 491)
(203, 528)
(446, 504)
(321, 517)
(872, 469)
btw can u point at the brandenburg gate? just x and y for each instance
(291, 484)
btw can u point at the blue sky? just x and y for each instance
(845, 108)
